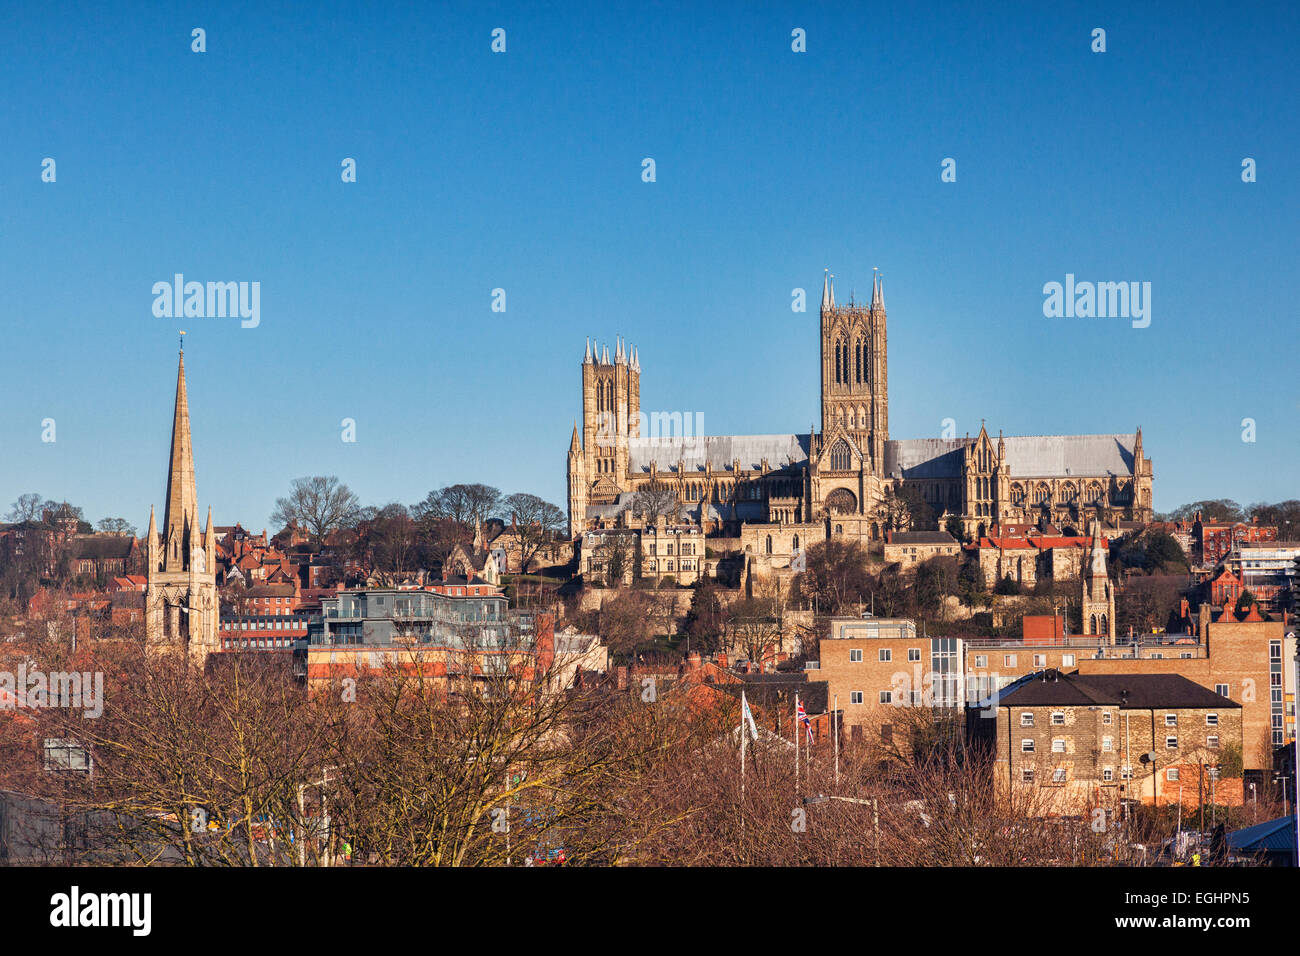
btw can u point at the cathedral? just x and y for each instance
(844, 477)
(181, 605)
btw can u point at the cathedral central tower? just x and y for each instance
(855, 371)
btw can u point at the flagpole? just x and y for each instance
(796, 742)
(835, 729)
(744, 732)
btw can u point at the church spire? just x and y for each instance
(575, 444)
(180, 517)
(877, 290)
(1097, 554)
(828, 292)
(587, 359)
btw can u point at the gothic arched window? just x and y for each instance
(841, 457)
(842, 501)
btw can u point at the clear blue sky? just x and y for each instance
(523, 171)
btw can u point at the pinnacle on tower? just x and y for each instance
(828, 292)
(604, 360)
(587, 358)
(877, 290)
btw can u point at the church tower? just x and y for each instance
(855, 386)
(611, 414)
(1098, 604)
(181, 606)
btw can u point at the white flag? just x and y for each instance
(747, 717)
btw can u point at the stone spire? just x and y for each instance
(636, 360)
(180, 519)
(828, 292)
(605, 357)
(587, 359)
(620, 356)
(877, 291)
(1097, 554)
(575, 444)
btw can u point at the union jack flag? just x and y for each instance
(802, 715)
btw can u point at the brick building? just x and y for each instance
(876, 666)
(1088, 740)
(1212, 540)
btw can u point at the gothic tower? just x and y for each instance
(855, 385)
(611, 414)
(1098, 604)
(181, 607)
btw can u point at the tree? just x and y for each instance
(893, 512)
(1285, 516)
(654, 500)
(835, 577)
(535, 523)
(954, 527)
(706, 621)
(390, 542)
(1145, 602)
(320, 504)
(971, 582)
(1007, 585)
(119, 526)
(1213, 509)
(615, 554)
(936, 579)
(26, 508)
(754, 628)
(464, 504)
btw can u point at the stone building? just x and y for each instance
(1080, 740)
(837, 475)
(181, 605)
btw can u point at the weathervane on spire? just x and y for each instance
(182, 340)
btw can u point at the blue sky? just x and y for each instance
(523, 171)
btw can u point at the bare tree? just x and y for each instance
(653, 501)
(321, 504)
(463, 504)
(119, 526)
(535, 524)
(26, 508)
